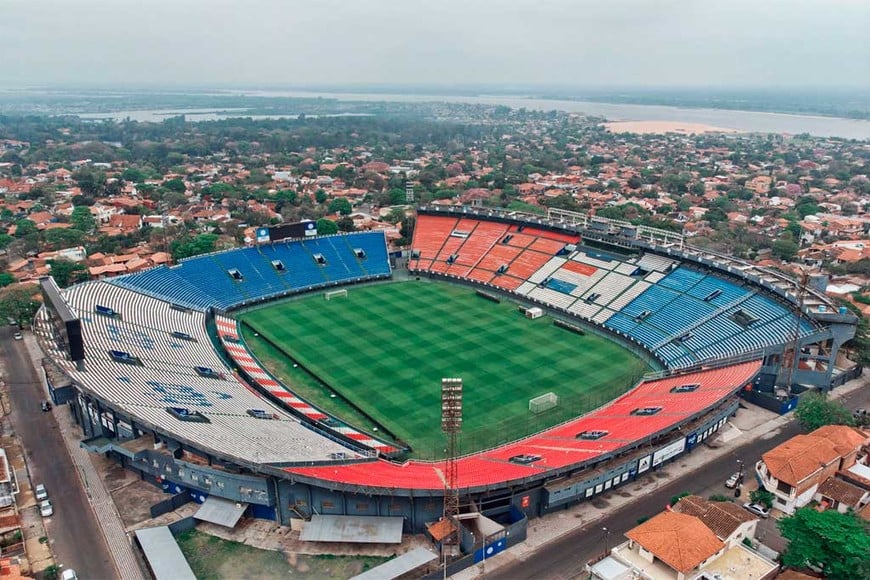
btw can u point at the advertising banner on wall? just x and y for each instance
(669, 451)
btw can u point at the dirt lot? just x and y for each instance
(212, 558)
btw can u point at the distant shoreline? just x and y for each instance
(653, 127)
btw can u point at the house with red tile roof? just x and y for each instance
(794, 470)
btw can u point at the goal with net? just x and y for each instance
(335, 294)
(543, 402)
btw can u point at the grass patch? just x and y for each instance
(213, 558)
(386, 347)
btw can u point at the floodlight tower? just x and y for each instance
(451, 425)
(793, 363)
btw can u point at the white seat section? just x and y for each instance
(546, 270)
(610, 286)
(628, 295)
(584, 309)
(583, 258)
(254, 440)
(525, 288)
(655, 262)
(167, 379)
(552, 297)
(626, 268)
(603, 316)
(653, 277)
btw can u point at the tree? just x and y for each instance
(763, 497)
(715, 216)
(19, 302)
(814, 410)
(326, 227)
(90, 181)
(320, 196)
(193, 246)
(175, 185)
(24, 227)
(133, 175)
(60, 238)
(83, 220)
(5, 240)
(784, 249)
(66, 272)
(6, 279)
(397, 196)
(836, 543)
(345, 224)
(340, 205)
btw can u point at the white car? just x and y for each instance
(41, 493)
(757, 509)
(46, 509)
(732, 481)
(69, 574)
(17, 336)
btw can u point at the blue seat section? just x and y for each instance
(561, 286)
(653, 299)
(680, 315)
(764, 308)
(259, 277)
(681, 279)
(376, 262)
(677, 309)
(206, 273)
(165, 284)
(302, 271)
(204, 281)
(730, 291)
(340, 265)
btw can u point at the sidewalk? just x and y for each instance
(748, 424)
(116, 537)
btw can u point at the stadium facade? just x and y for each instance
(156, 372)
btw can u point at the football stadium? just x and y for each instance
(301, 376)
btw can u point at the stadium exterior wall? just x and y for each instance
(168, 465)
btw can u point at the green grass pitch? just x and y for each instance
(386, 347)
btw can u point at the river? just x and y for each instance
(747, 121)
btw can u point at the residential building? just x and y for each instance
(795, 470)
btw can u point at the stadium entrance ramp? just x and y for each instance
(399, 566)
(353, 529)
(222, 512)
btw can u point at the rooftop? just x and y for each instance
(681, 541)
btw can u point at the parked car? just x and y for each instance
(41, 494)
(46, 406)
(17, 336)
(732, 481)
(757, 509)
(69, 574)
(46, 509)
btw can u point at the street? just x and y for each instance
(566, 557)
(76, 539)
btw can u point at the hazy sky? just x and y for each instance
(773, 43)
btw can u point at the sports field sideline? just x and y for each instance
(385, 347)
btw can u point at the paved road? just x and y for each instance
(567, 556)
(77, 541)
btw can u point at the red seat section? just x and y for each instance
(548, 235)
(484, 237)
(527, 264)
(499, 255)
(430, 232)
(579, 268)
(559, 447)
